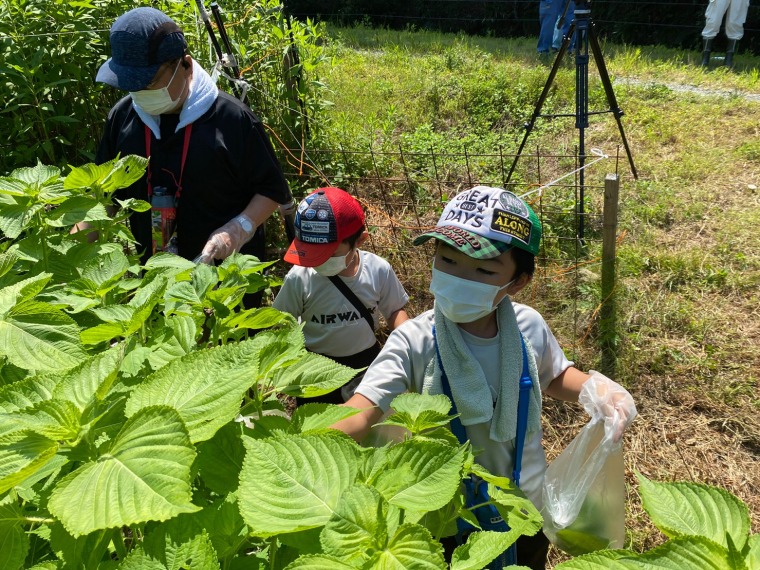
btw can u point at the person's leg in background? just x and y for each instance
(735, 18)
(713, 18)
(548, 11)
(560, 33)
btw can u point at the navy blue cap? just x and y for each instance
(141, 40)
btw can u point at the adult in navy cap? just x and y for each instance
(206, 148)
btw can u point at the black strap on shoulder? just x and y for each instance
(351, 296)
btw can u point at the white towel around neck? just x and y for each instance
(468, 383)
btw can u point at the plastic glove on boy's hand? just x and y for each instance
(603, 397)
(228, 239)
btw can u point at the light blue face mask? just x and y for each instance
(462, 300)
(158, 101)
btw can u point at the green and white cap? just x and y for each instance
(484, 222)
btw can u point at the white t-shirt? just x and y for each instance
(332, 325)
(400, 367)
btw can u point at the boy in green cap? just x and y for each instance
(470, 345)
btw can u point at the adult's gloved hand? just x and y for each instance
(602, 397)
(228, 239)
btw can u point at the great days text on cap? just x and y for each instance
(483, 222)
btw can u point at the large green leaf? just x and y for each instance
(481, 548)
(411, 547)
(38, 336)
(105, 333)
(261, 318)
(22, 291)
(58, 420)
(12, 186)
(515, 508)
(294, 482)
(91, 380)
(278, 350)
(143, 475)
(357, 525)
(110, 176)
(22, 454)
(8, 260)
(106, 270)
(419, 412)
(14, 542)
(17, 218)
(27, 392)
(679, 509)
(163, 260)
(684, 553)
(123, 320)
(417, 405)
(185, 331)
(164, 347)
(316, 417)
(313, 375)
(206, 387)
(37, 176)
(432, 472)
(75, 210)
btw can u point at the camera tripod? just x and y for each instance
(582, 29)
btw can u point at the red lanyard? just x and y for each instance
(185, 146)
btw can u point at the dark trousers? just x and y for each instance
(358, 360)
(532, 551)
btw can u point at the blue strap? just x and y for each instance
(526, 385)
(473, 490)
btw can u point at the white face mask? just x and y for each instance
(462, 300)
(158, 101)
(334, 265)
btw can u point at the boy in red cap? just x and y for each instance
(334, 288)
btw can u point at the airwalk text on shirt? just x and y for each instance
(340, 317)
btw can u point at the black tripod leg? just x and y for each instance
(542, 99)
(611, 99)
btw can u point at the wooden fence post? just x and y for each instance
(607, 325)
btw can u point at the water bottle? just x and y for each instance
(164, 214)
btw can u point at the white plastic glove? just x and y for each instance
(228, 239)
(604, 398)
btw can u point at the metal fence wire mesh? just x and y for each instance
(404, 192)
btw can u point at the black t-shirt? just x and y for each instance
(229, 160)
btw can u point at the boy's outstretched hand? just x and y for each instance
(602, 397)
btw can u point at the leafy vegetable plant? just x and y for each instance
(141, 425)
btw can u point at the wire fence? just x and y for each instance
(404, 192)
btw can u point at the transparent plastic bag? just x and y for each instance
(584, 487)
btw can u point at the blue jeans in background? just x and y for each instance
(548, 12)
(559, 34)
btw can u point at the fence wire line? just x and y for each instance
(540, 190)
